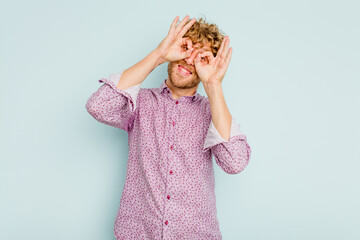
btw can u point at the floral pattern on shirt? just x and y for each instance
(169, 190)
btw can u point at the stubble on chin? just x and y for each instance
(175, 78)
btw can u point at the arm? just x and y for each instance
(221, 116)
(225, 139)
(170, 49)
(137, 73)
(231, 154)
(227, 143)
(112, 106)
(114, 103)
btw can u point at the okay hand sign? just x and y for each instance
(174, 47)
(210, 69)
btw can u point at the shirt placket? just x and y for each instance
(171, 155)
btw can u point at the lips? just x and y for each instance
(185, 68)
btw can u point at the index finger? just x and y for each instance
(172, 27)
(187, 42)
(187, 27)
(180, 25)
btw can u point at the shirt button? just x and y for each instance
(168, 197)
(171, 147)
(168, 91)
(166, 222)
(176, 102)
(171, 172)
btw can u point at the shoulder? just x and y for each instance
(204, 103)
(148, 96)
(148, 92)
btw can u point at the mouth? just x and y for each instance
(184, 71)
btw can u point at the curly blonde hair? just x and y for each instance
(203, 32)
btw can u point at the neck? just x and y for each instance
(179, 92)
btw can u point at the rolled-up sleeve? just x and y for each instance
(112, 106)
(231, 156)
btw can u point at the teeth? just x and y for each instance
(183, 70)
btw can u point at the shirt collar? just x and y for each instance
(164, 89)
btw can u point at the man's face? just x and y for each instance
(182, 73)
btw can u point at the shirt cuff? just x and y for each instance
(213, 137)
(113, 81)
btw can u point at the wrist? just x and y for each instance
(159, 58)
(212, 86)
(213, 89)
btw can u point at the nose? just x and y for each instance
(190, 60)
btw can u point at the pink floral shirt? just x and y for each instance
(169, 190)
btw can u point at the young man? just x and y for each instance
(169, 191)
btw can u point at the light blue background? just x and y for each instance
(292, 84)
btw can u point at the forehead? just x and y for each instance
(205, 46)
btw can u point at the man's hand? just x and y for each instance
(174, 47)
(210, 69)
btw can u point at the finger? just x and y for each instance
(197, 59)
(197, 53)
(185, 42)
(189, 44)
(188, 52)
(225, 64)
(208, 54)
(173, 24)
(181, 24)
(187, 27)
(225, 50)
(221, 46)
(194, 53)
(228, 57)
(209, 57)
